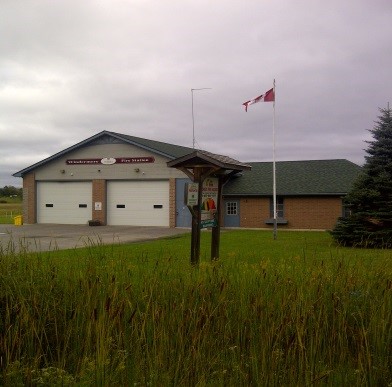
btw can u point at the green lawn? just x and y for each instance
(295, 311)
(8, 210)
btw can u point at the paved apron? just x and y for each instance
(47, 237)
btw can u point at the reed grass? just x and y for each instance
(296, 311)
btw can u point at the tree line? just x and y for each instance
(10, 191)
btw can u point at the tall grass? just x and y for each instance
(297, 311)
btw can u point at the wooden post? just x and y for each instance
(194, 241)
(196, 219)
(215, 234)
(199, 165)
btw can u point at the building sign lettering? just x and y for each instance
(111, 160)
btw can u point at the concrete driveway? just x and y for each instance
(46, 237)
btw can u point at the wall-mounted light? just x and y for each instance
(137, 170)
(62, 170)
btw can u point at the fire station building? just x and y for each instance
(117, 179)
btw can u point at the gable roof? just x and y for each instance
(309, 177)
(164, 149)
(201, 157)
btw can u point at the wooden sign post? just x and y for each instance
(208, 173)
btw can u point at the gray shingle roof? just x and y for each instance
(310, 177)
(163, 148)
(201, 157)
(225, 159)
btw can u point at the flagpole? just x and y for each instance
(274, 169)
(269, 96)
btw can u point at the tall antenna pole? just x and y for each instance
(193, 117)
(274, 169)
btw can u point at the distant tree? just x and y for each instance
(369, 223)
(10, 191)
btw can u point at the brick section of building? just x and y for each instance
(172, 202)
(254, 212)
(99, 196)
(313, 212)
(300, 212)
(29, 199)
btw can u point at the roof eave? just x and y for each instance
(139, 145)
(197, 157)
(59, 154)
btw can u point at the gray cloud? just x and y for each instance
(71, 69)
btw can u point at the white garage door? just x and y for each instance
(138, 203)
(64, 203)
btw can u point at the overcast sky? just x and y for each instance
(70, 69)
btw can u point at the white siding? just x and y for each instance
(58, 170)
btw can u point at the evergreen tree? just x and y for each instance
(370, 200)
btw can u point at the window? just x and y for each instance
(279, 208)
(120, 206)
(231, 208)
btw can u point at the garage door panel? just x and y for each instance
(64, 203)
(138, 203)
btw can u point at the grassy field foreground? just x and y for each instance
(9, 208)
(295, 311)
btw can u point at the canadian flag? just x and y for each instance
(268, 96)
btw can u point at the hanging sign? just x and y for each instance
(191, 194)
(209, 202)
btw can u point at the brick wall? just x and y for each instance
(300, 212)
(313, 212)
(253, 212)
(29, 199)
(99, 195)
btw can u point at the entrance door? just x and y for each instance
(232, 213)
(183, 215)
